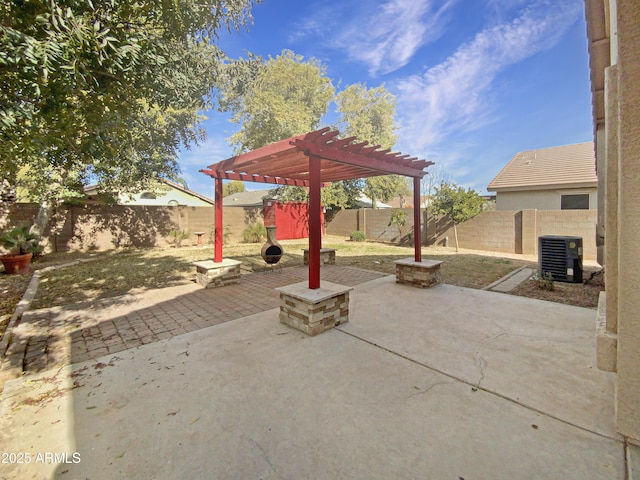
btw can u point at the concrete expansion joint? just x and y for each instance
(477, 387)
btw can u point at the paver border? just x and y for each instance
(25, 303)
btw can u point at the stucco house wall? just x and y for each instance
(613, 28)
(172, 197)
(542, 199)
(538, 179)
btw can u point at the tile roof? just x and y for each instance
(249, 198)
(184, 189)
(567, 165)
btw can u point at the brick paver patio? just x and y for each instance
(49, 337)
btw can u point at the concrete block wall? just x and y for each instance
(98, 227)
(508, 231)
(579, 223)
(374, 224)
(491, 231)
(341, 222)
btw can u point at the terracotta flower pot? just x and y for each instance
(16, 263)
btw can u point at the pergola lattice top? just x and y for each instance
(286, 162)
(310, 160)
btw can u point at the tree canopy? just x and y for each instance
(283, 97)
(456, 202)
(235, 186)
(368, 114)
(105, 90)
(288, 95)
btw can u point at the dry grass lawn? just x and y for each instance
(115, 273)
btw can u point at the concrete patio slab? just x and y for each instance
(392, 394)
(540, 354)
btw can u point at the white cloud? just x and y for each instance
(387, 39)
(456, 94)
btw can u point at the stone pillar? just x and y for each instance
(628, 364)
(422, 274)
(210, 274)
(316, 310)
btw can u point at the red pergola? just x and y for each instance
(312, 160)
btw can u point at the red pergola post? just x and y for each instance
(417, 237)
(217, 254)
(315, 226)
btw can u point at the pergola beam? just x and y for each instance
(368, 162)
(249, 177)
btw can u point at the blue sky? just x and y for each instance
(476, 81)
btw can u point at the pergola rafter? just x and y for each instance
(314, 160)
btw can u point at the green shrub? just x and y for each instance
(254, 233)
(357, 236)
(543, 281)
(20, 241)
(178, 236)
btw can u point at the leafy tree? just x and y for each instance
(457, 203)
(368, 114)
(286, 96)
(337, 195)
(386, 187)
(436, 176)
(235, 186)
(280, 98)
(399, 219)
(106, 90)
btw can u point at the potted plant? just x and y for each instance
(21, 244)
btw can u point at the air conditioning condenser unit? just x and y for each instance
(561, 256)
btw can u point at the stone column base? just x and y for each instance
(210, 274)
(314, 311)
(422, 274)
(327, 256)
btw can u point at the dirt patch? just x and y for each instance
(579, 294)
